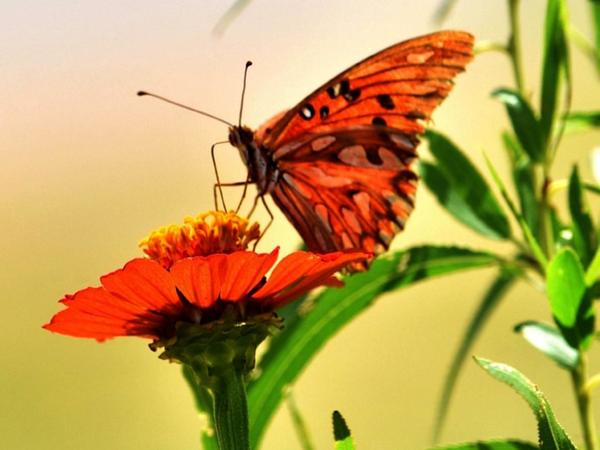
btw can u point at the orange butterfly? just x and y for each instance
(339, 164)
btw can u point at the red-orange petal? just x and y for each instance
(314, 270)
(244, 271)
(145, 283)
(95, 313)
(199, 278)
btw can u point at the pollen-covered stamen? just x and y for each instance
(205, 234)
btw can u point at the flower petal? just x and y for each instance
(144, 283)
(244, 271)
(199, 278)
(95, 313)
(302, 271)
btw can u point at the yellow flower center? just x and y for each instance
(207, 233)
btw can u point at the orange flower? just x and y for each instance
(182, 284)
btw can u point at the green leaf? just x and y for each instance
(292, 349)
(582, 121)
(204, 406)
(341, 433)
(566, 286)
(534, 245)
(461, 189)
(550, 433)
(488, 304)
(524, 182)
(593, 271)
(524, 122)
(571, 307)
(584, 234)
(555, 62)
(550, 342)
(508, 444)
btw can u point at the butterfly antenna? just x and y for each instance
(248, 64)
(189, 108)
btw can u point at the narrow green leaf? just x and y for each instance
(566, 286)
(524, 182)
(593, 271)
(204, 406)
(555, 61)
(524, 122)
(584, 234)
(534, 245)
(550, 342)
(299, 342)
(595, 5)
(230, 15)
(341, 433)
(443, 10)
(508, 444)
(582, 120)
(550, 433)
(491, 299)
(594, 188)
(299, 423)
(461, 189)
(570, 303)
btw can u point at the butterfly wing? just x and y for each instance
(344, 153)
(398, 87)
(350, 189)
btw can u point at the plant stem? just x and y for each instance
(231, 410)
(582, 394)
(514, 45)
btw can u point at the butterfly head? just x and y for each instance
(242, 138)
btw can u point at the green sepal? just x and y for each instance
(216, 346)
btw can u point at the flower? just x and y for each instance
(145, 299)
(185, 281)
(205, 299)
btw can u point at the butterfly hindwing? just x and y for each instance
(351, 189)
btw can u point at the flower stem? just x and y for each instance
(231, 410)
(514, 45)
(583, 396)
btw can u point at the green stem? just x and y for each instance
(514, 45)
(231, 410)
(582, 394)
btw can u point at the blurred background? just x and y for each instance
(88, 169)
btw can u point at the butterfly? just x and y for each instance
(339, 164)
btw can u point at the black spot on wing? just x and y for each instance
(385, 101)
(379, 121)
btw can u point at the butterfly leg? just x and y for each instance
(218, 184)
(243, 193)
(271, 217)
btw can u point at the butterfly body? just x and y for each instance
(339, 164)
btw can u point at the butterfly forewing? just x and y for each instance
(398, 87)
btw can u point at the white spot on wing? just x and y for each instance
(351, 220)
(389, 159)
(419, 58)
(322, 143)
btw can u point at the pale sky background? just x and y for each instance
(88, 169)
